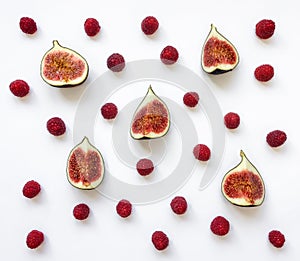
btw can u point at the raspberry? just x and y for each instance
(276, 238)
(276, 138)
(160, 240)
(149, 25)
(19, 88)
(109, 111)
(169, 55)
(81, 211)
(124, 208)
(201, 152)
(220, 226)
(91, 26)
(28, 25)
(56, 126)
(116, 62)
(34, 239)
(179, 205)
(265, 28)
(232, 120)
(264, 73)
(144, 167)
(31, 189)
(191, 99)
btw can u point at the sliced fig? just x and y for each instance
(218, 54)
(243, 185)
(151, 118)
(85, 167)
(63, 67)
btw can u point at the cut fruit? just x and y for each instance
(63, 67)
(243, 185)
(151, 119)
(85, 167)
(218, 54)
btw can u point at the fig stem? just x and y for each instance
(242, 154)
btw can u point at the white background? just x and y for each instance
(28, 151)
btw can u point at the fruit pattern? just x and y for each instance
(219, 226)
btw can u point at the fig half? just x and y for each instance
(85, 167)
(151, 118)
(243, 185)
(63, 67)
(218, 54)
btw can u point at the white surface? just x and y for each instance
(29, 152)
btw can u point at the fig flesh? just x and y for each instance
(243, 185)
(218, 54)
(63, 67)
(151, 118)
(85, 166)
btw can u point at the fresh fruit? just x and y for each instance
(179, 205)
(276, 138)
(31, 189)
(91, 26)
(169, 55)
(276, 238)
(149, 25)
(243, 185)
(115, 62)
(144, 167)
(27, 25)
(201, 152)
(231, 120)
(85, 166)
(124, 208)
(56, 126)
(81, 211)
(63, 67)
(109, 111)
(151, 118)
(160, 240)
(19, 88)
(265, 28)
(34, 239)
(220, 226)
(218, 54)
(191, 99)
(264, 72)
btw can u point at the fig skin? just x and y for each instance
(61, 83)
(221, 66)
(247, 167)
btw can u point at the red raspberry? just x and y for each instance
(179, 205)
(116, 62)
(232, 120)
(109, 111)
(91, 26)
(149, 25)
(169, 55)
(144, 167)
(160, 240)
(28, 25)
(19, 88)
(265, 28)
(34, 239)
(81, 211)
(191, 99)
(31, 189)
(201, 152)
(276, 238)
(276, 138)
(264, 72)
(56, 126)
(220, 226)
(124, 208)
